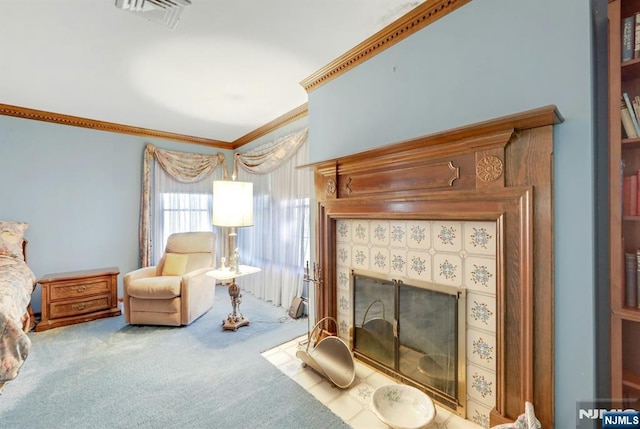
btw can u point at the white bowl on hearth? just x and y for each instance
(403, 407)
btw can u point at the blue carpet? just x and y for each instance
(107, 374)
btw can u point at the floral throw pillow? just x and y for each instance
(11, 238)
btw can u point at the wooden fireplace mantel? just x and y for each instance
(498, 170)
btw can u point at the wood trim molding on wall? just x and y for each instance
(413, 21)
(75, 121)
(293, 115)
(533, 118)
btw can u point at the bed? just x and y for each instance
(17, 282)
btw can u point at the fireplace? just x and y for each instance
(444, 272)
(412, 330)
(487, 179)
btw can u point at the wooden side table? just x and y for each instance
(78, 296)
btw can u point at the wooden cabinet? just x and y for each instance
(79, 296)
(624, 161)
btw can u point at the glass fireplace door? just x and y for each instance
(428, 337)
(374, 318)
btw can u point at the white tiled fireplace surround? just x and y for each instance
(460, 254)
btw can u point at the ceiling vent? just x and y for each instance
(166, 12)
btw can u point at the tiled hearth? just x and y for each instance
(352, 405)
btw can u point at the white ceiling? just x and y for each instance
(228, 68)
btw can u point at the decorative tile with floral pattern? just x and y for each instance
(483, 350)
(380, 233)
(398, 234)
(397, 263)
(480, 311)
(361, 232)
(480, 238)
(342, 230)
(417, 233)
(481, 385)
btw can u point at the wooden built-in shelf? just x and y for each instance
(624, 231)
(628, 313)
(631, 379)
(633, 143)
(630, 69)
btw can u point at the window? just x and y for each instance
(179, 207)
(184, 212)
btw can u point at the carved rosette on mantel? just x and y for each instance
(495, 171)
(327, 187)
(331, 187)
(489, 168)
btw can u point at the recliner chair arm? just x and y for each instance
(198, 272)
(196, 278)
(195, 285)
(140, 273)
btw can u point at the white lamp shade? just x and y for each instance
(232, 203)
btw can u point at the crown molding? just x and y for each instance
(75, 121)
(410, 23)
(292, 115)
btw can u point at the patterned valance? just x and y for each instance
(266, 158)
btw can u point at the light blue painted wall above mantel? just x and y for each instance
(486, 60)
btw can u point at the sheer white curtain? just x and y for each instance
(179, 207)
(278, 242)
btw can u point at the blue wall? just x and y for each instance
(79, 189)
(486, 60)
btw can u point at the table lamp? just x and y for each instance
(232, 208)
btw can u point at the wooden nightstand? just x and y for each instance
(78, 296)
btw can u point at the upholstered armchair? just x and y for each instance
(177, 291)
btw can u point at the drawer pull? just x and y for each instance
(80, 306)
(81, 288)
